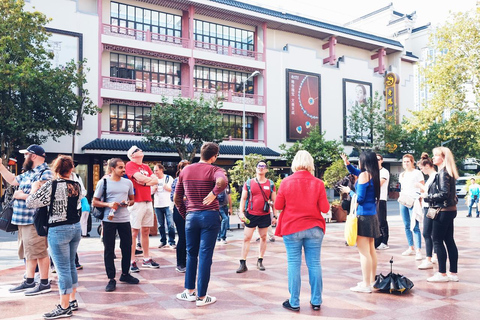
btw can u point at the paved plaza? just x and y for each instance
(256, 294)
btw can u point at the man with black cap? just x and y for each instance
(32, 247)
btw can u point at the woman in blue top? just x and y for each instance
(368, 193)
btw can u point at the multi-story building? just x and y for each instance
(138, 51)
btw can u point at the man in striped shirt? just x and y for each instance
(200, 183)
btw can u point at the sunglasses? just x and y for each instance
(136, 150)
(261, 166)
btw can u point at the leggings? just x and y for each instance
(443, 236)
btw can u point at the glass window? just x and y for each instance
(234, 125)
(123, 11)
(114, 10)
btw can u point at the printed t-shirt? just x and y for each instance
(161, 197)
(142, 193)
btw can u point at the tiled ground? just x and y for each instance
(258, 295)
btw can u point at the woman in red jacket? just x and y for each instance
(302, 199)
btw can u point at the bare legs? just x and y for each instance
(368, 259)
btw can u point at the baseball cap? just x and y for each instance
(131, 151)
(34, 149)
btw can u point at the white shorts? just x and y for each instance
(141, 215)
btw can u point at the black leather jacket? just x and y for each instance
(441, 193)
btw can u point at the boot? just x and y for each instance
(243, 266)
(260, 264)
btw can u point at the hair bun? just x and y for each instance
(424, 155)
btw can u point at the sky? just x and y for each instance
(341, 11)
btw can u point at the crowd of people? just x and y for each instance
(197, 203)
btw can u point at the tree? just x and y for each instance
(324, 152)
(37, 101)
(453, 83)
(334, 173)
(239, 173)
(185, 124)
(367, 125)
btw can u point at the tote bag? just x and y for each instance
(351, 225)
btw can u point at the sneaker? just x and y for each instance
(286, 305)
(172, 246)
(224, 241)
(73, 305)
(434, 260)
(361, 288)
(53, 269)
(452, 277)
(138, 252)
(134, 268)
(181, 269)
(58, 312)
(150, 264)
(79, 267)
(382, 246)
(418, 256)
(425, 265)
(127, 278)
(438, 278)
(272, 239)
(111, 286)
(162, 245)
(22, 287)
(187, 296)
(408, 252)
(39, 289)
(205, 301)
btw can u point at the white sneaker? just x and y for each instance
(186, 296)
(408, 252)
(418, 256)
(361, 287)
(425, 265)
(382, 246)
(434, 260)
(438, 278)
(206, 301)
(224, 241)
(452, 277)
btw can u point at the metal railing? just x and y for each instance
(146, 86)
(228, 50)
(229, 96)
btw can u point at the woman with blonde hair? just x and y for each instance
(303, 198)
(442, 196)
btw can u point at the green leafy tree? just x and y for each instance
(185, 123)
(453, 82)
(37, 101)
(334, 173)
(367, 125)
(323, 151)
(240, 173)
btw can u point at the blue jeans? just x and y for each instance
(201, 229)
(162, 215)
(405, 213)
(311, 241)
(471, 205)
(225, 223)
(63, 243)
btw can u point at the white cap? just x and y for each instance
(131, 151)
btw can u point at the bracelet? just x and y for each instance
(213, 193)
(274, 217)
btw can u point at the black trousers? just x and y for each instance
(382, 221)
(181, 243)
(443, 233)
(125, 233)
(427, 233)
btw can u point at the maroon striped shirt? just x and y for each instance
(195, 182)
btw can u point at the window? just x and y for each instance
(211, 78)
(133, 67)
(224, 35)
(233, 124)
(145, 19)
(125, 118)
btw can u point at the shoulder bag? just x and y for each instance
(99, 212)
(40, 217)
(351, 225)
(406, 200)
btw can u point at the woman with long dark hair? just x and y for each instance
(368, 194)
(64, 231)
(442, 195)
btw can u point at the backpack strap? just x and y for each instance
(104, 189)
(249, 195)
(272, 187)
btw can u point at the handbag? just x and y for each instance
(406, 200)
(351, 225)
(6, 218)
(99, 212)
(432, 213)
(40, 217)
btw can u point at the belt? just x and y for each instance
(451, 208)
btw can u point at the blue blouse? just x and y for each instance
(365, 195)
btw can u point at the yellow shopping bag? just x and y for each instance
(351, 225)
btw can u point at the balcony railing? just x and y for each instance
(228, 51)
(147, 86)
(149, 36)
(229, 96)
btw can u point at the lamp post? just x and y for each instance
(244, 127)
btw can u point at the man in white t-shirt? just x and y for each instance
(381, 243)
(162, 205)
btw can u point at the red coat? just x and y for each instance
(302, 198)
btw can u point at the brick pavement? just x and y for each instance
(258, 295)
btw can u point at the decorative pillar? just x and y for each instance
(381, 64)
(330, 45)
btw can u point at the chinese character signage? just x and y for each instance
(391, 96)
(303, 103)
